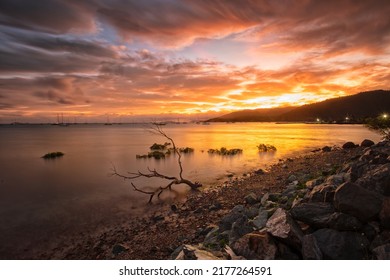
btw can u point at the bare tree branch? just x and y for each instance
(153, 173)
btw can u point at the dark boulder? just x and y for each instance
(357, 201)
(282, 226)
(326, 149)
(349, 145)
(367, 143)
(376, 179)
(381, 239)
(239, 228)
(286, 253)
(313, 214)
(227, 221)
(382, 252)
(310, 248)
(251, 198)
(337, 245)
(322, 193)
(342, 221)
(384, 215)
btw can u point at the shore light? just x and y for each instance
(385, 116)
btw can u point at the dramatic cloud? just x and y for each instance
(129, 58)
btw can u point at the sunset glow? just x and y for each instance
(143, 60)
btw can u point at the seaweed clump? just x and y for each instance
(266, 148)
(53, 155)
(225, 152)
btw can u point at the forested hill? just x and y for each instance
(354, 107)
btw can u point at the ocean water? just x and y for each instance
(40, 197)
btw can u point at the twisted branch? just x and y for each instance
(153, 173)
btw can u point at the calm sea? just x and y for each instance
(40, 197)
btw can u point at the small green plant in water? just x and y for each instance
(225, 152)
(53, 155)
(156, 146)
(266, 148)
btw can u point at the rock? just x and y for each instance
(336, 179)
(322, 193)
(238, 209)
(256, 245)
(356, 170)
(283, 227)
(239, 228)
(382, 252)
(310, 248)
(190, 252)
(337, 245)
(349, 145)
(264, 199)
(211, 236)
(232, 255)
(377, 179)
(260, 220)
(290, 190)
(292, 178)
(371, 230)
(357, 201)
(251, 198)
(313, 214)
(215, 207)
(119, 248)
(311, 184)
(367, 143)
(326, 149)
(381, 239)
(228, 220)
(343, 222)
(252, 212)
(384, 215)
(259, 172)
(274, 197)
(286, 253)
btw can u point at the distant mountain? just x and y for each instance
(356, 107)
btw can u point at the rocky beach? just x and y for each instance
(332, 203)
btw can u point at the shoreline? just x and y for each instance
(158, 233)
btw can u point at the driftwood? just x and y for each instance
(153, 173)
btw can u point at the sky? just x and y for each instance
(129, 60)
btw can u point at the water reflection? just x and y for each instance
(38, 195)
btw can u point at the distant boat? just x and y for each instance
(60, 123)
(108, 121)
